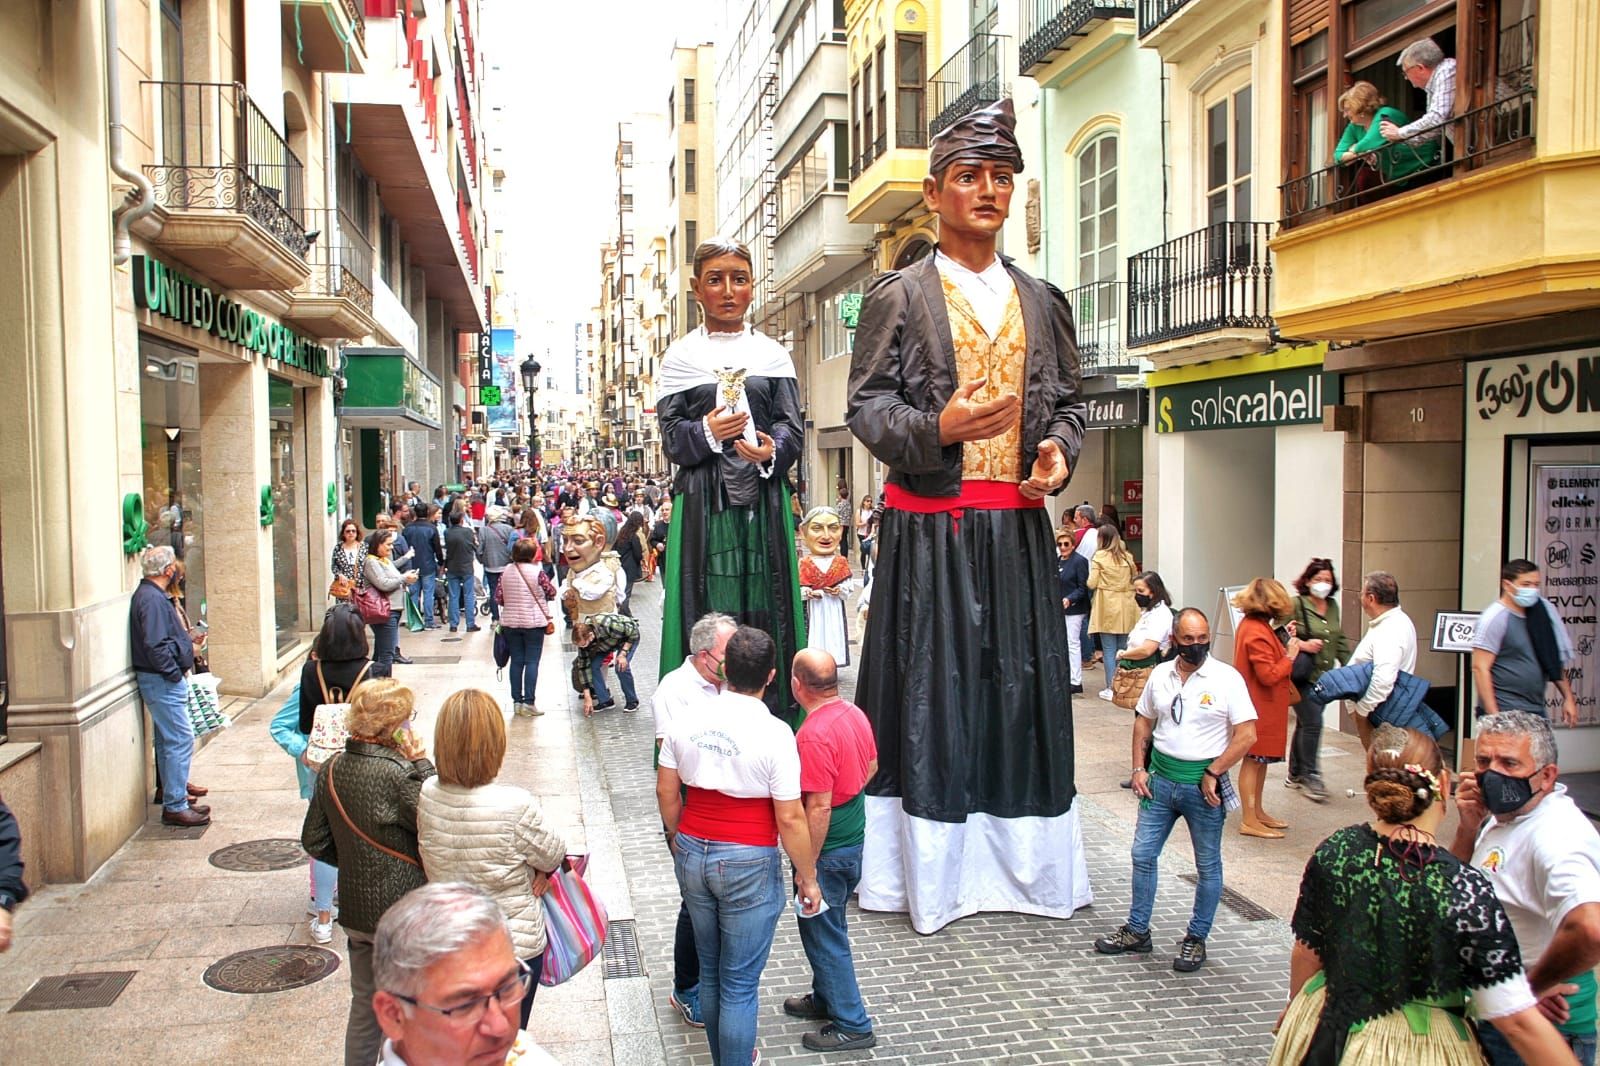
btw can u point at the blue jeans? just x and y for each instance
(1498, 1050)
(385, 639)
(527, 645)
(735, 894)
(462, 595)
(493, 579)
(826, 939)
(1156, 818)
(1111, 646)
(168, 704)
(324, 882)
(597, 674)
(422, 596)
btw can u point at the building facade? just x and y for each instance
(235, 280)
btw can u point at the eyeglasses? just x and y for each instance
(1177, 709)
(469, 1014)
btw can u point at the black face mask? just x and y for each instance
(1144, 602)
(1504, 794)
(1193, 654)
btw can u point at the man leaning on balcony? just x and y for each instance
(1425, 67)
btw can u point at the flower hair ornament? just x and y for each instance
(1428, 776)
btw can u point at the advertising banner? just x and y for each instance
(1282, 398)
(502, 416)
(1566, 547)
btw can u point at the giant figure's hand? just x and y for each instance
(725, 423)
(965, 419)
(760, 455)
(1049, 471)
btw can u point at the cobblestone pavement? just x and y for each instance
(994, 988)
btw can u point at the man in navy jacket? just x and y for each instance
(163, 653)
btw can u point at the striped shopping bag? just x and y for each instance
(574, 921)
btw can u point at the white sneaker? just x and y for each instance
(321, 932)
(1105, 694)
(526, 710)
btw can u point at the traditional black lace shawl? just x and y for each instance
(1390, 930)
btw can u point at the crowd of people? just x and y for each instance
(945, 784)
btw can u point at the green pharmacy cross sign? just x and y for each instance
(850, 309)
(489, 395)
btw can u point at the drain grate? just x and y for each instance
(72, 991)
(1243, 906)
(258, 856)
(622, 950)
(436, 660)
(274, 969)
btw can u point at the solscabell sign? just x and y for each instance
(170, 293)
(1280, 398)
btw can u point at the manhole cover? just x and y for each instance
(622, 950)
(1242, 905)
(74, 990)
(436, 660)
(257, 856)
(275, 969)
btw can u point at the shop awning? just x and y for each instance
(386, 389)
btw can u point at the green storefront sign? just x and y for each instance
(385, 389)
(1281, 398)
(172, 294)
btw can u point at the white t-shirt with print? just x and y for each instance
(1214, 701)
(679, 689)
(1542, 866)
(1154, 624)
(731, 743)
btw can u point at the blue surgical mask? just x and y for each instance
(1525, 597)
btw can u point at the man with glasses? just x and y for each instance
(697, 679)
(1424, 65)
(1193, 723)
(449, 986)
(1541, 854)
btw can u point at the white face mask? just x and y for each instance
(1320, 589)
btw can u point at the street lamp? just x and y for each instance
(530, 381)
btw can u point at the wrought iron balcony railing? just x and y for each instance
(1153, 13)
(1099, 316)
(357, 17)
(340, 259)
(1219, 277)
(869, 155)
(1048, 26)
(970, 79)
(219, 153)
(1485, 135)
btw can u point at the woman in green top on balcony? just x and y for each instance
(1377, 161)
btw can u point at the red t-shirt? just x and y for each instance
(836, 750)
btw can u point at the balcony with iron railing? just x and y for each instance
(1207, 289)
(1051, 27)
(971, 78)
(231, 190)
(1498, 132)
(337, 299)
(1099, 315)
(1153, 13)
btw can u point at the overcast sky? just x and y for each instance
(574, 70)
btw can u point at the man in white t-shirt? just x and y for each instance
(1195, 720)
(1541, 854)
(695, 681)
(741, 769)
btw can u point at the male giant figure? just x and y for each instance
(965, 384)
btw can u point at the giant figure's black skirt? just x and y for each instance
(964, 670)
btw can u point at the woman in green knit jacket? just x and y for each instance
(1316, 621)
(1378, 162)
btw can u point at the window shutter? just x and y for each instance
(1304, 18)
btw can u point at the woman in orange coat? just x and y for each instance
(1266, 663)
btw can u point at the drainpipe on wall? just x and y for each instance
(141, 201)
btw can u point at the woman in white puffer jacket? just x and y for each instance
(472, 829)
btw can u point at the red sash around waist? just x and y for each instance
(712, 815)
(978, 495)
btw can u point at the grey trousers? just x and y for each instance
(363, 1039)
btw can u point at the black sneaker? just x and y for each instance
(806, 1007)
(1191, 955)
(1123, 940)
(606, 706)
(631, 705)
(832, 1038)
